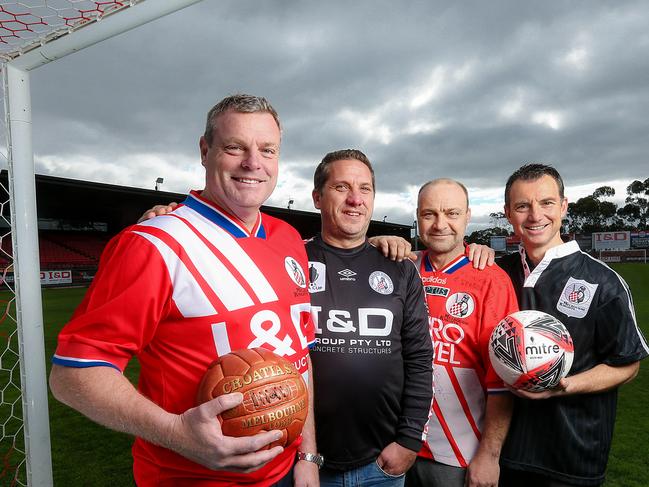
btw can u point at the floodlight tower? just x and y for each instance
(31, 36)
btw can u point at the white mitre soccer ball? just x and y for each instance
(531, 350)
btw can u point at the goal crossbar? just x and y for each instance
(130, 17)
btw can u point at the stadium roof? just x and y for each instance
(119, 206)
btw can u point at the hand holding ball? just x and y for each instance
(274, 394)
(531, 350)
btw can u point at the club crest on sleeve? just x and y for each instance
(460, 305)
(381, 282)
(294, 271)
(317, 277)
(576, 298)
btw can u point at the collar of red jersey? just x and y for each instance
(222, 218)
(450, 268)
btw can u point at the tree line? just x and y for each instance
(592, 213)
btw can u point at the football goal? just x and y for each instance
(33, 34)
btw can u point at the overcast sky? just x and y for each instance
(426, 89)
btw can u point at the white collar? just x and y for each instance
(553, 253)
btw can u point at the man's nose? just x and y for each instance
(535, 211)
(354, 197)
(252, 160)
(439, 222)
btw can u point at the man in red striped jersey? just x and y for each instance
(471, 408)
(180, 290)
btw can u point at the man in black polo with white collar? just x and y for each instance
(562, 437)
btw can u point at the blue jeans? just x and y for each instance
(365, 476)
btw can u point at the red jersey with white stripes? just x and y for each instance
(464, 305)
(180, 290)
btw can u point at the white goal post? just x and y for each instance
(33, 34)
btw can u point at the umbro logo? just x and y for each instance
(347, 275)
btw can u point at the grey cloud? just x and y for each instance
(147, 91)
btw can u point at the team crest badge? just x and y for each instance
(576, 297)
(460, 305)
(317, 273)
(381, 282)
(294, 271)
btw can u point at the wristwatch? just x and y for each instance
(311, 457)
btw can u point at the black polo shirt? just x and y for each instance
(569, 438)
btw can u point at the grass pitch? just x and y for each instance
(84, 453)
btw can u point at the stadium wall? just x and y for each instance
(71, 211)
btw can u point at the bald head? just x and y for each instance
(442, 216)
(430, 186)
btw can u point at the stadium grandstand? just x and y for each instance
(76, 219)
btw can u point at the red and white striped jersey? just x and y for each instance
(464, 305)
(180, 290)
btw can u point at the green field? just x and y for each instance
(86, 454)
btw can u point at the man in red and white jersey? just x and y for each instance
(471, 407)
(180, 290)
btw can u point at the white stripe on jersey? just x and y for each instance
(232, 251)
(221, 341)
(187, 293)
(216, 274)
(439, 444)
(453, 415)
(473, 393)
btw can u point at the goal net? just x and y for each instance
(34, 33)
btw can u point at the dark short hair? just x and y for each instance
(240, 103)
(532, 172)
(321, 174)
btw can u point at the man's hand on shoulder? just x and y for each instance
(396, 459)
(481, 255)
(394, 248)
(196, 434)
(157, 210)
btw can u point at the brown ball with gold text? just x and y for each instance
(274, 393)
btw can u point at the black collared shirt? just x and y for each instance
(569, 438)
(372, 362)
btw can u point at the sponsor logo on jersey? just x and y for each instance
(433, 280)
(294, 271)
(437, 291)
(460, 305)
(347, 275)
(576, 297)
(317, 277)
(381, 282)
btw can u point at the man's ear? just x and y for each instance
(204, 147)
(506, 210)
(564, 207)
(316, 198)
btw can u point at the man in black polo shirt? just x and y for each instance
(373, 352)
(562, 437)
